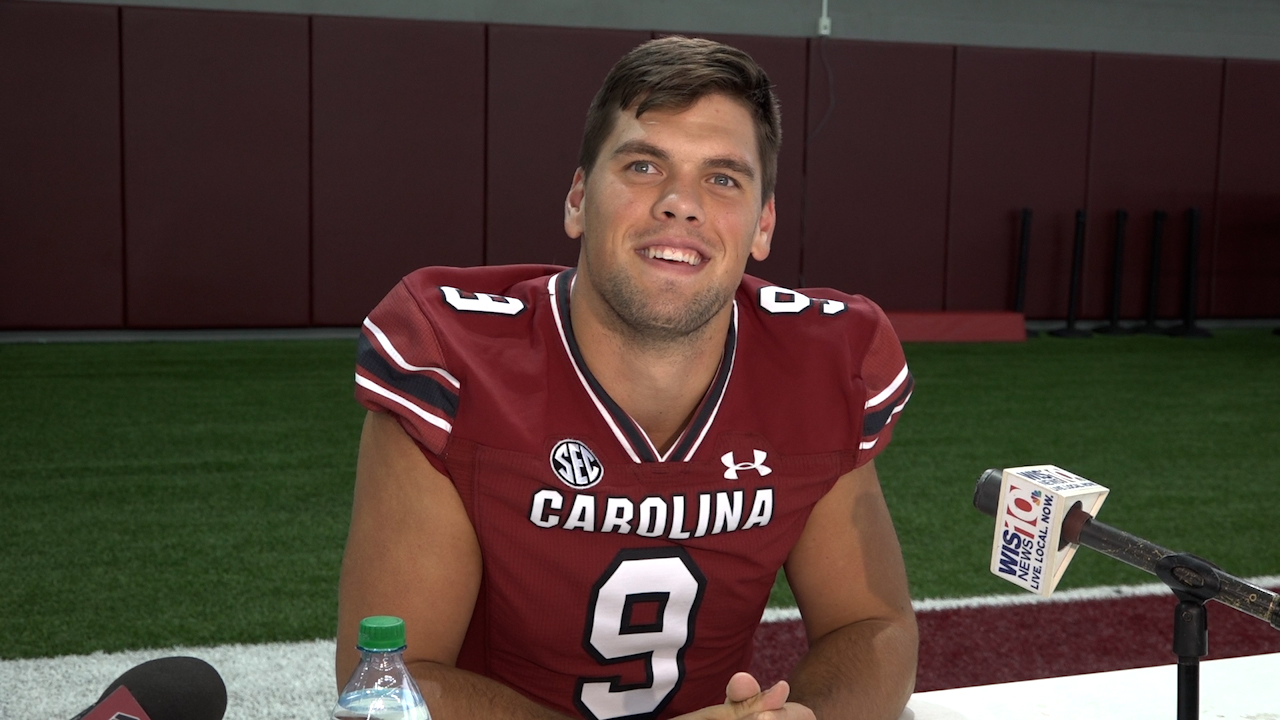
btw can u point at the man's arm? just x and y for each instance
(412, 552)
(850, 583)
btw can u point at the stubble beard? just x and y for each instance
(651, 321)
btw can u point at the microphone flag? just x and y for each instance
(1028, 549)
(119, 705)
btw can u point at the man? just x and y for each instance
(577, 485)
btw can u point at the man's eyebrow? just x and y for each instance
(731, 163)
(640, 147)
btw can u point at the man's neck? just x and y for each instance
(659, 384)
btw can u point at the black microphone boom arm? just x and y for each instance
(1185, 574)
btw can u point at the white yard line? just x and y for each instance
(1105, 592)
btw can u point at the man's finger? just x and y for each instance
(776, 696)
(789, 711)
(742, 687)
(772, 699)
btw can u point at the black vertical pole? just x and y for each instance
(1117, 274)
(1191, 277)
(1153, 276)
(1073, 294)
(1190, 643)
(1024, 250)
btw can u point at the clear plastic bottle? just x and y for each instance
(381, 687)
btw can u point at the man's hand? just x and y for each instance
(745, 701)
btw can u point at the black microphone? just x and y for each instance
(1180, 571)
(171, 688)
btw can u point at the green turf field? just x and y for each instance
(154, 494)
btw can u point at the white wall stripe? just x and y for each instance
(395, 355)
(375, 388)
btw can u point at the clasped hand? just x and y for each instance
(745, 701)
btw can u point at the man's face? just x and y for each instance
(669, 214)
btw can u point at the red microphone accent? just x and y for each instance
(119, 705)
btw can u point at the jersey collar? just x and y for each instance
(633, 438)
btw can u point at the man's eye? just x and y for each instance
(642, 166)
(724, 181)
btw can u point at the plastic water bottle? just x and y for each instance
(381, 687)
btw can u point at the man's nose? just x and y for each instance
(681, 199)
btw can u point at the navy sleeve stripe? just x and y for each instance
(873, 423)
(421, 387)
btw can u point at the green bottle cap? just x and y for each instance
(381, 633)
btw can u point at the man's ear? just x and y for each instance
(574, 225)
(764, 232)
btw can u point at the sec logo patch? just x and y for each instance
(575, 464)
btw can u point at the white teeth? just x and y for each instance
(684, 256)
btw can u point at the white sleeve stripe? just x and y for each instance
(395, 355)
(375, 388)
(900, 406)
(885, 393)
(868, 444)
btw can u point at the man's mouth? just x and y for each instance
(690, 257)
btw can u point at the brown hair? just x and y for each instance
(674, 72)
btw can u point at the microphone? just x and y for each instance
(1059, 531)
(171, 688)
(1030, 505)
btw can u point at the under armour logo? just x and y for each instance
(734, 468)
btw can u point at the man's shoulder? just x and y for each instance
(500, 280)
(823, 315)
(468, 297)
(844, 366)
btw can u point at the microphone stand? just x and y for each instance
(1193, 580)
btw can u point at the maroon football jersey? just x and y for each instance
(621, 582)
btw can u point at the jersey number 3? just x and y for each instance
(642, 608)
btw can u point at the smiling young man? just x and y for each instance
(578, 485)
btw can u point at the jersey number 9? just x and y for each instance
(642, 608)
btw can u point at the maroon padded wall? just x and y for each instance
(216, 168)
(541, 81)
(786, 62)
(877, 171)
(1154, 147)
(61, 245)
(1021, 139)
(174, 168)
(398, 156)
(1247, 259)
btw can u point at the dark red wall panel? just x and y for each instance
(541, 81)
(398, 158)
(786, 62)
(60, 233)
(1246, 279)
(877, 171)
(216, 168)
(1154, 146)
(1021, 139)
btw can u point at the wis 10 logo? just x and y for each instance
(1024, 536)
